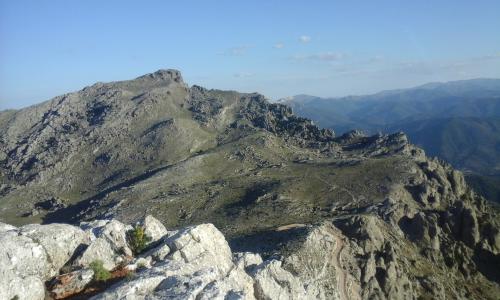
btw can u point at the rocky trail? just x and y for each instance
(344, 286)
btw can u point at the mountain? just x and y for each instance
(470, 144)
(273, 183)
(456, 121)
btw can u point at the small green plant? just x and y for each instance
(100, 273)
(137, 239)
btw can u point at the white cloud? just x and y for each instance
(304, 39)
(235, 51)
(326, 56)
(279, 46)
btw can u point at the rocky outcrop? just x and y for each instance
(194, 263)
(32, 254)
(351, 257)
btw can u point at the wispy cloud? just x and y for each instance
(325, 57)
(378, 65)
(243, 75)
(304, 39)
(279, 46)
(235, 51)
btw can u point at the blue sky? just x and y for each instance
(278, 48)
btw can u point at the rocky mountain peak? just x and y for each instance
(163, 75)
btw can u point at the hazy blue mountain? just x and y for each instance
(471, 144)
(457, 121)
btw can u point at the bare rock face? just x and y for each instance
(351, 257)
(273, 282)
(199, 266)
(32, 254)
(201, 245)
(29, 287)
(59, 241)
(108, 244)
(99, 249)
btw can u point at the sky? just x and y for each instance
(277, 48)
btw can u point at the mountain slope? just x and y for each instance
(456, 121)
(265, 177)
(470, 144)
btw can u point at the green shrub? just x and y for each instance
(137, 239)
(100, 273)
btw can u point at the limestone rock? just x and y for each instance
(138, 288)
(29, 287)
(113, 231)
(199, 266)
(247, 260)
(6, 227)
(69, 284)
(153, 228)
(99, 249)
(59, 241)
(235, 285)
(22, 256)
(157, 253)
(273, 282)
(201, 245)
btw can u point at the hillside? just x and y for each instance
(455, 121)
(271, 182)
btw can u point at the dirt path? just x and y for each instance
(290, 226)
(347, 291)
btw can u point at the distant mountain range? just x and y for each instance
(458, 121)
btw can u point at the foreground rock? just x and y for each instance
(192, 263)
(68, 284)
(351, 257)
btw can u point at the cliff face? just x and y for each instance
(370, 213)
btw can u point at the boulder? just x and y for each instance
(22, 256)
(199, 266)
(59, 241)
(138, 288)
(274, 282)
(99, 249)
(247, 260)
(68, 284)
(32, 254)
(186, 286)
(13, 286)
(157, 253)
(113, 231)
(153, 228)
(202, 245)
(236, 285)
